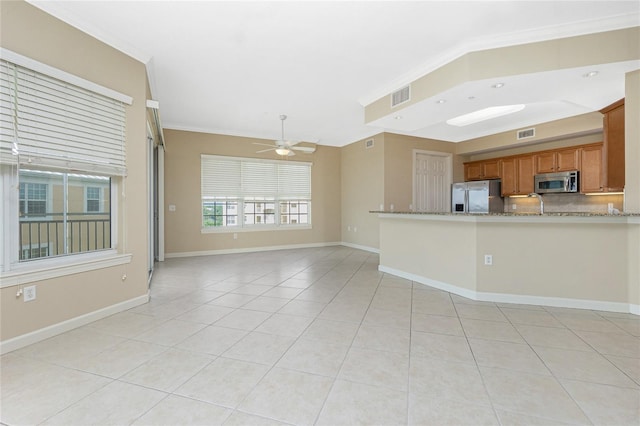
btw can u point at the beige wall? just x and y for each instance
(529, 257)
(579, 130)
(398, 166)
(570, 52)
(443, 251)
(363, 171)
(381, 176)
(632, 175)
(632, 142)
(182, 189)
(32, 33)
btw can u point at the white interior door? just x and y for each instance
(433, 176)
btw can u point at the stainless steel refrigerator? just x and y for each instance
(481, 196)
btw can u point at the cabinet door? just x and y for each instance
(614, 141)
(491, 169)
(473, 171)
(525, 168)
(567, 160)
(591, 171)
(545, 162)
(509, 184)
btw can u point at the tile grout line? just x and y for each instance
(484, 385)
(326, 398)
(557, 379)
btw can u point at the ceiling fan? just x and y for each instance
(285, 147)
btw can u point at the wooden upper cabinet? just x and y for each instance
(613, 148)
(473, 171)
(491, 169)
(480, 170)
(517, 175)
(591, 172)
(545, 162)
(525, 174)
(560, 160)
(568, 160)
(509, 184)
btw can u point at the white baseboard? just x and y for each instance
(64, 326)
(558, 302)
(248, 250)
(360, 247)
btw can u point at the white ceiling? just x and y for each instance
(235, 67)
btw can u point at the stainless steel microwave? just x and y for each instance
(556, 182)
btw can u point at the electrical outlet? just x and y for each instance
(29, 293)
(514, 206)
(235, 236)
(488, 259)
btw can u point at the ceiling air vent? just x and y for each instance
(368, 143)
(526, 133)
(400, 96)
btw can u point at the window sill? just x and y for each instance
(54, 268)
(231, 230)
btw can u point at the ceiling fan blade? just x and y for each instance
(305, 149)
(265, 150)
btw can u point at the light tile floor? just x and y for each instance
(319, 336)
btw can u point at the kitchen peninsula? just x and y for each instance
(577, 260)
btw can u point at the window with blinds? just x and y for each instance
(57, 125)
(62, 142)
(248, 192)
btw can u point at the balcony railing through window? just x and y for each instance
(51, 235)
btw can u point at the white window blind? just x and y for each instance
(233, 177)
(294, 181)
(51, 123)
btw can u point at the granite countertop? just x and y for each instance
(549, 214)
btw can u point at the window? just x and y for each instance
(93, 199)
(57, 224)
(34, 252)
(219, 213)
(294, 212)
(62, 146)
(259, 212)
(268, 193)
(33, 200)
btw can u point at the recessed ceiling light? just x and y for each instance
(397, 117)
(590, 74)
(441, 101)
(498, 85)
(484, 114)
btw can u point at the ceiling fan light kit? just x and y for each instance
(285, 147)
(284, 151)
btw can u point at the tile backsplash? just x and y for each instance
(564, 203)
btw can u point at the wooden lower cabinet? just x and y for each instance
(591, 172)
(517, 175)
